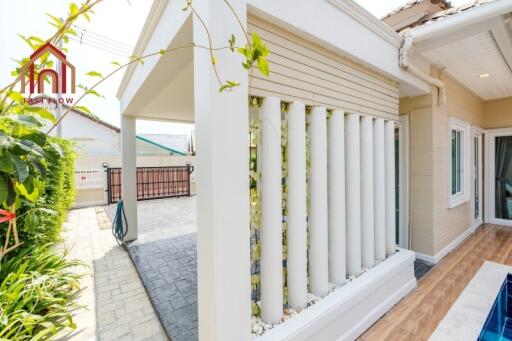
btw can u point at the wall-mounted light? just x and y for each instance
(485, 75)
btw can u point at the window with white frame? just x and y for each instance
(459, 161)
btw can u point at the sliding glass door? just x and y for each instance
(503, 177)
(498, 176)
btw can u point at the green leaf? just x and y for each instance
(11, 192)
(244, 51)
(56, 21)
(94, 74)
(26, 40)
(37, 137)
(29, 184)
(224, 87)
(6, 164)
(73, 8)
(16, 96)
(27, 120)
(93, 92)
(42, 112)
(57, 148)
(256, 40)
(21, 167)
(232, 43)
(116, 63)
(30, 147)
(264, 67)
(5, 140)
(83, 108)
(3, 190)
(37, 165)
(162, 51)
(229, 85)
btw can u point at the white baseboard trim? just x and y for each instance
(448, 248)
(350, 310)
(425, 257)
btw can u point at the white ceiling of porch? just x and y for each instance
(483, 53)
(469, 58)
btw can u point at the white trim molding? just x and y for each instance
(362, 16)
(477, 133)
(490, 171)
(461, 197)
(155, 13)
(448, 248)
(404, 181)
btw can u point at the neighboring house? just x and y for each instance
(98, 145)
(441, 86)
(162, 144)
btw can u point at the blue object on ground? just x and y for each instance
(120, 225)
(498, 326)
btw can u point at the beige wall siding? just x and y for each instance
(419, 110)
(449, 223)
(434, 225)
(303, 71)
(498, 113)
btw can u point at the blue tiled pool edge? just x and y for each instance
(498, 325)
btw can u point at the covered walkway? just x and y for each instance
(417, 315)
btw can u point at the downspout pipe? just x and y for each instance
(405, 63)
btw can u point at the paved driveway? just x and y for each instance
(165, 256)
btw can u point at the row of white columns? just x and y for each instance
(352, 201)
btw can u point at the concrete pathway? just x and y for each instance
(165, 256)
(117, 306)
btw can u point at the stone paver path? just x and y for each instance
(165, 256)
(118, 307)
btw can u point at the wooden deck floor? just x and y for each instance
(417, 315)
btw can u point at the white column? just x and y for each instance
(390, 187)
(318, 249)
(379, 182)
(367, 233)
(336, 170)
(353, 194)
(222, 175)
(271, 263)
(296, 233)
(129, 174)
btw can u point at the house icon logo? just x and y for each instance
(56, 77)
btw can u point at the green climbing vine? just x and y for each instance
(255, 210)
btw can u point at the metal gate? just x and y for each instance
(152, 182)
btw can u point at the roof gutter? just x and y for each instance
(479, 13)
(455, 22)
(406, 65)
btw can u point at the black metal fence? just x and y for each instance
(152, 182)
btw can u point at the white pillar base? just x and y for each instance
(350, 310)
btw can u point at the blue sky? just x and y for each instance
(112, 32)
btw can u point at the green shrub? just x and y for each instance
(36, 288)
(37, 225)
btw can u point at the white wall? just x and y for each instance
(92, 138)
